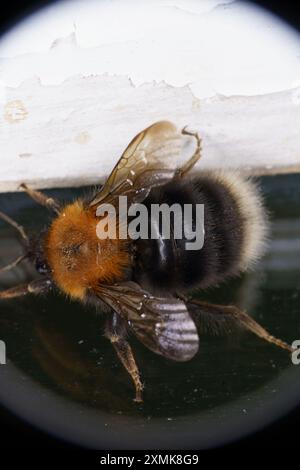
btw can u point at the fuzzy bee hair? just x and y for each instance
(235, 225)
(252, 214)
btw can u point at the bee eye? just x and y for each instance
(41, 267)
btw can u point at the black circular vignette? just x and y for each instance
(17, 434)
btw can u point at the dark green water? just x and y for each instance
(58, 346)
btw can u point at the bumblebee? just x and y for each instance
(145, 286)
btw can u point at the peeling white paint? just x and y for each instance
(81, 78)
(214, 46)
(74, 141)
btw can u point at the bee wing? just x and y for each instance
(162, 324)
(148, 161)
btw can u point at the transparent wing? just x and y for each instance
(162, 324)
(149, 160)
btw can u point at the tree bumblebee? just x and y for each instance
(144, 286)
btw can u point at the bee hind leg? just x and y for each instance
(42, 199)
(115, 331)
(219, 319)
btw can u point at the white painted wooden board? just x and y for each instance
(67, 112)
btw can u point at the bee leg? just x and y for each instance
(184, 169)
(115, 331)
(41, 198)
(38, 286)
(221, 318)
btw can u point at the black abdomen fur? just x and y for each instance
(235, 228)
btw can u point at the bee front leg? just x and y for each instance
(115, 331)
(42, 199)
(38, 286)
